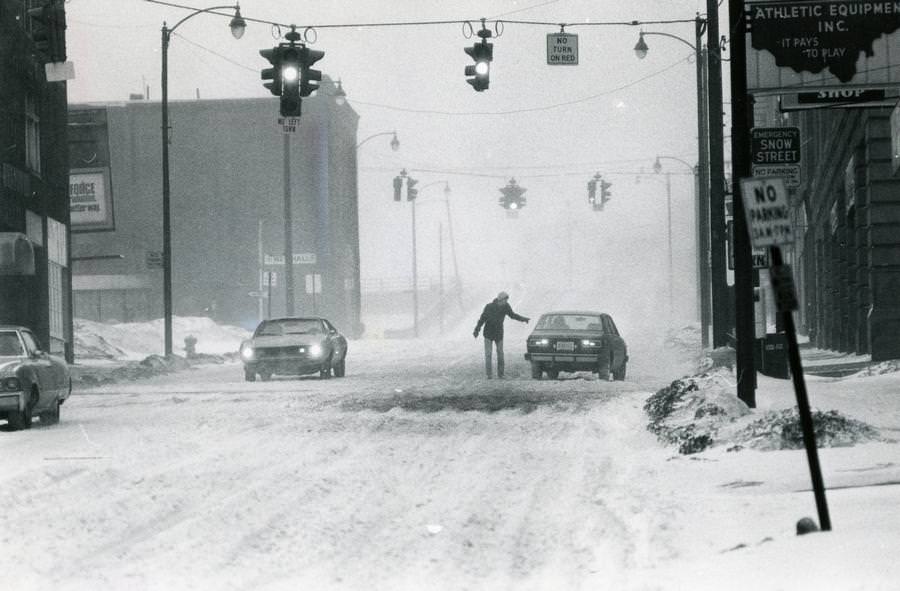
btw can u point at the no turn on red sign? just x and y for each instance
(767, 210)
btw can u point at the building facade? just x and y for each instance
(229, 164)
(34, 213)
(847, 216)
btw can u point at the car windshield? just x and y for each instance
(282, 327)
(580, 322)
(10, 345)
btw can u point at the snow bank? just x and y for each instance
(701, 411)
(136, 340)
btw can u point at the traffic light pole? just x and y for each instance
(288, 232)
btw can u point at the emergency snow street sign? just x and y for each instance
(562, 49)
(767, 211)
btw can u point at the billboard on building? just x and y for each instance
(90, 200)
(817, 45)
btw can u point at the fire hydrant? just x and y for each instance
(190, 346)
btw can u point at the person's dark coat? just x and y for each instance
(492, 319)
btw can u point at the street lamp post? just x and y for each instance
(237, 25)
(711, 200)
(395, 143)
(415, 266)
(702, 227)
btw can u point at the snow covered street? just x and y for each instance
(413, 472)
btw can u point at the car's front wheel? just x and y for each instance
(51, 415)
(536, 370)
(19, 420)
(340, 369)
(552, 373)
(325, 370)
(249, 375)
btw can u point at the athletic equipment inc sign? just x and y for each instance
(807, 45)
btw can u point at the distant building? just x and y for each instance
(34, 213)
(227, 171)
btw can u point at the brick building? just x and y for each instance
(34, 213)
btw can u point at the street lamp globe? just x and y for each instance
(641, 49)
(395, 143)
(238, 24)
(657, 166)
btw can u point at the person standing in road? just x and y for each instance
(492, 320)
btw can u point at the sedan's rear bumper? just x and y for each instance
(566, 361)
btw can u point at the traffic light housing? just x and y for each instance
(592, 191)
(482, 53)
(398, 187)
(309, 78)
(48, 30)
(605, 195)
(289, 66)
(272, 75)
(411, 191)
(513, 198)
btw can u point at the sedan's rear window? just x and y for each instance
(580, 322)
(10, 345)
(282, 327)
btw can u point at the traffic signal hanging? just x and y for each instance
(48, 30)
(605, 195)
(289, 67)
(398, 187)
(411, 191)
(513, 198)
(483, 54)
(291, 76)
(272, 76)
(592, 192)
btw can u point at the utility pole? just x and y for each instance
(288, 232)
(703, 193)
(721, 320)
(415, 275)
(741, 122)
(441, 275)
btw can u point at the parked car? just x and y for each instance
(32, 382)
(294, 346)
(576, 341)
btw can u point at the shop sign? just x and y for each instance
(822, 44)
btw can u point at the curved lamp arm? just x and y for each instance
(395, 143)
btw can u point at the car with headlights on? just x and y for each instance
(294, 346)
(32, 382)
(576, 341)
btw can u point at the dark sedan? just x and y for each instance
(31, 380)
(576, 341)
(294, 346)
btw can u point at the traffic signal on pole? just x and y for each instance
(309, 78)
(411, 191)
(289, 65)
(272, 75)
(592, 191)
(398, 187)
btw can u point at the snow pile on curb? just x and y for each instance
(685, 340)
(86, 376)
(136, 340)
(782, 430)
(878, 369)
(698, 412)
(690, 411)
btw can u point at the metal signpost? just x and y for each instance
(765, 202)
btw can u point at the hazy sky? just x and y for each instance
(550, 127)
